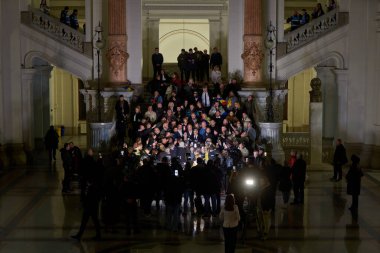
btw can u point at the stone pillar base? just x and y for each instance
(99, 136)
(320, 167)
(272, 133)
(12, 155)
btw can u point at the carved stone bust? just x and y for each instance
(315, 93)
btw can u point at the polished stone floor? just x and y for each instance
(35, 217)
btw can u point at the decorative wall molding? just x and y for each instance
(253, 57)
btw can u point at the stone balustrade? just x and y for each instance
(314, 29)
(53, 28)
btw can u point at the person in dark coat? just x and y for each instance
(353, 177)
(340, 159)
(67, 162)
(91, 187)
(136, 119)
(188, 196)
(51, 142)
(130, 194)
(285, 184)
(122, 111)
(146, 180)
(173, 191)
(299, 177)
(216, 59)
(157, 60)
(211, 188)
(110, 206)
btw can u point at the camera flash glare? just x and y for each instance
(250, 182)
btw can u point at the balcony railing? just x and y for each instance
(310, 31)
(53, 28)
(300, 142)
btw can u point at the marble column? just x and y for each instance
(134, 46)
(253, 54)
(316, 122)
(117, 41)
(280, 20)
(377, 63)
(152, 38)
(88, 20)
(41, 102)
(329, 95)
(342, 81)
(27, 104)
(11, 134)
(235, 30)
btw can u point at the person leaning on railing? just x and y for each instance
(44, 8)
(294, 20)
(318, 11)
(331, 6)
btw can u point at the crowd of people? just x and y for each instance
(300, 19)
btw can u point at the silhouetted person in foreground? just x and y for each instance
(90, 184)
(51, 143)
(340, 159)
(353, 177)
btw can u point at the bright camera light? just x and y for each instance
(250, 182)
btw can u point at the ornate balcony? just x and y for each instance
(53, 28)
(313, 30)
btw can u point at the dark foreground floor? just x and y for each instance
(35, 217)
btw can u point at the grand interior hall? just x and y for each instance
(313, 77)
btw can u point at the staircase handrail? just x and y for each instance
(53, 28)
(308, 32)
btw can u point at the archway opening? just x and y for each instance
(177, 34)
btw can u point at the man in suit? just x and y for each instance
(157, 60)
(340, 158)
(122, 111)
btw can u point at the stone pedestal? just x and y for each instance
(100, 135)
(260, 97)
(272, 132)
(316, 126)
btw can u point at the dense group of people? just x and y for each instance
(193, 64)
(300, 19)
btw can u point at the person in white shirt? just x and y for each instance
(206, 98)
(216, 75)
(231, 217)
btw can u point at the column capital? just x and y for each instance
(28, 73)
(341, 72)
(324, 68)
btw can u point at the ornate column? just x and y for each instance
(117, 42)
(253, 54)
(316, 122)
